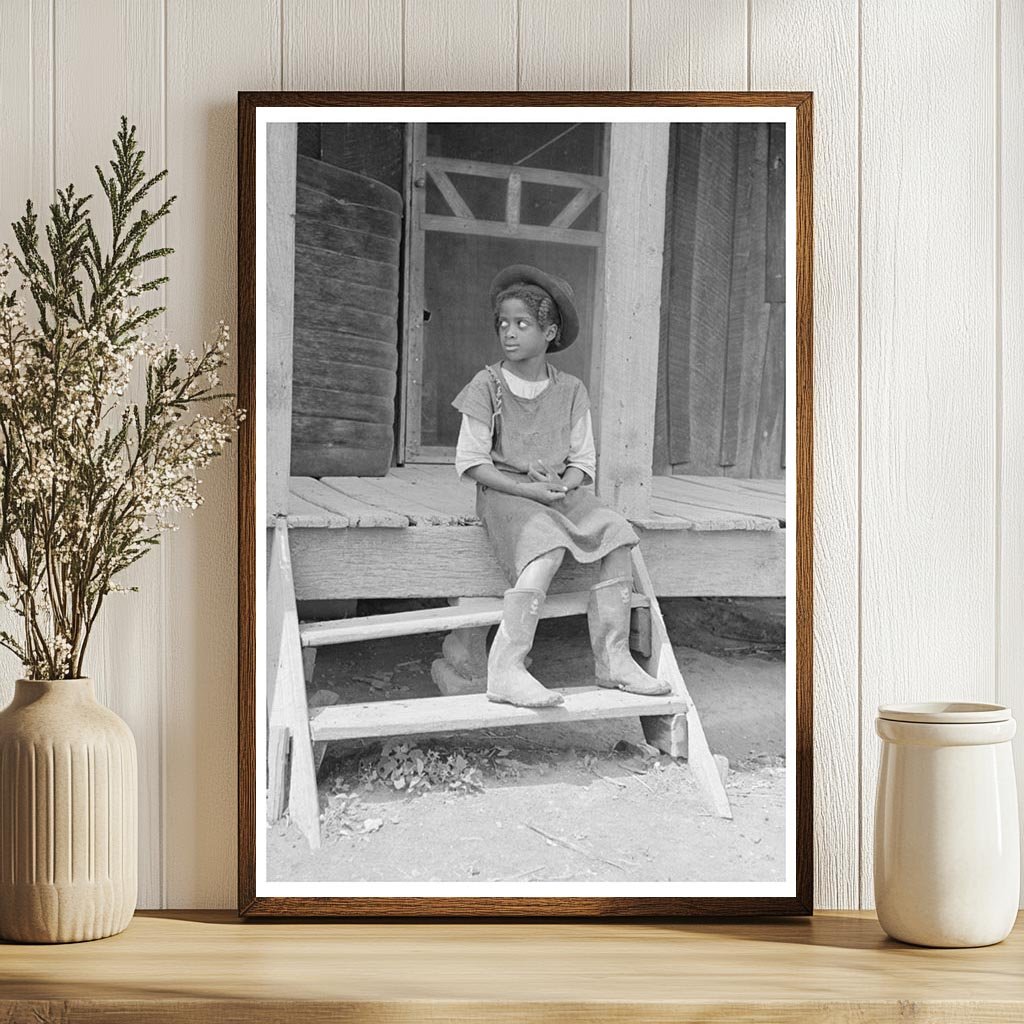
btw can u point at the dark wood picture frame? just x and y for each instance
(528, 906)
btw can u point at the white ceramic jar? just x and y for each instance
(947, 847)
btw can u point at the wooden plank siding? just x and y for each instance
(1010, 256)
(573, 44)
(342, 44)
(228, 46)
(26, 128)
(129, 672)
(929, 375)
(469, 45)
(672, 433)
(282, 146)
(83, 123)
(721, 390)
(832, 72)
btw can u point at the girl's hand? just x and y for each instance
(545, 493)
(540, 473)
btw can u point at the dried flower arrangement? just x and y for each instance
(89, 478)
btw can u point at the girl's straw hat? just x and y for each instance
(559, 289)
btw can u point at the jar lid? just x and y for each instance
(945, 713)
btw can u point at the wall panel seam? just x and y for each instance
(629, 44)
(997, 232)
(32, 91)
(519, 43)
(53, 97)
(162, 708)
(859, 866)
(750, 44)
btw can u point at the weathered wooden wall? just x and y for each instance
(722, 374)
(919, 429)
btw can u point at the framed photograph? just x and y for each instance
(525, 504)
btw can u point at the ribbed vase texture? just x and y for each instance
(68, 815)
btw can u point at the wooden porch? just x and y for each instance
(414, 533)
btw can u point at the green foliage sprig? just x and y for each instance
(89, 478)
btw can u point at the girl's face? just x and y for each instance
(519, 333)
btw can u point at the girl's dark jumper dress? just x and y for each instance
(528, 430)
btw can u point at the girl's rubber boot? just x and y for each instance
(508, 682)
(608, 618)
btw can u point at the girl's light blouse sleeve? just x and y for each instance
(582, 453)
(474, 445)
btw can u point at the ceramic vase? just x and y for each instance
(947, 847)
(68, 815)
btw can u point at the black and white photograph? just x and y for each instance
(525, 457)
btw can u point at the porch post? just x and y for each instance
(282, 149)
(627, 364)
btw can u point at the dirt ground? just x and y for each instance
(580, 802)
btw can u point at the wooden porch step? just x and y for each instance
(475, 711)
(469, 613)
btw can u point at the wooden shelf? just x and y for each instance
(210, 967)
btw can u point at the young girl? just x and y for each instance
(527, 441)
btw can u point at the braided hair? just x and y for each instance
(538, 301)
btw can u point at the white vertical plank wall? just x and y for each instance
(832, 75)
(468, 45)
(928, 515)
(26, 163)
(700, 45)
(1009, 425)
(574, 44)
(125, 656)
(347, 44)
(919, 315)
(213, 51)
